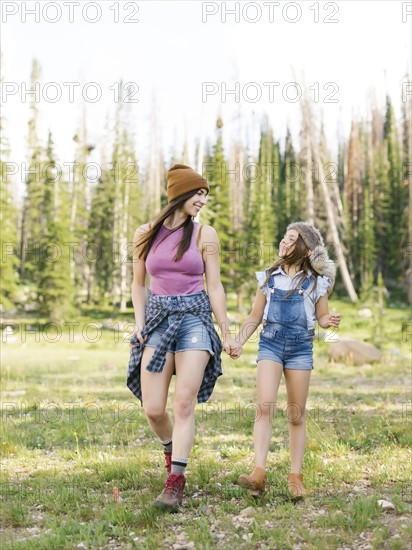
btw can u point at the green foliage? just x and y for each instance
(78, 432)
(9, 230)
(32, 227)
(375, 199)
(218, 213)
(250, 213)
(100, 238)
(55, 289)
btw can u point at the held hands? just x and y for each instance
(330, 320)
(231, 347)
(236, 352)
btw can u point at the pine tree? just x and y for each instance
(407, 182)
(353, 201)
(237, 199)
(154, 179)
(55, 290)
(117, 208)
(264, 199)
(367, 223)
(9, 229)
(395, 200)
(100, 246)
(278, 209)
(218, 211)
(306, 159)
(321, 158)
(293, 183)
(124, 159)
(31, 226)
(79, 216)
(250, 251)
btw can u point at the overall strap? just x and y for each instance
(307, 282)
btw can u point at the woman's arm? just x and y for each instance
(254, 318)
(139, 284)
(326, 319)
(211, 256)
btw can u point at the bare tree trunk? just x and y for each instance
(309, 183)
(237, 185)
(307, 147)
(199, 166)
(116, 239)
(334, 230)
(80, 206)
(123, 247)
(155, 174)
(409, 244)
(312, 153)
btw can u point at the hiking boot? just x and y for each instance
(295, 485)
(172, 495)
(255, 482)
(168, 459)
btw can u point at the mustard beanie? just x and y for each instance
(181, 179)
(319, 259)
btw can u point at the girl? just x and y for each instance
(174, 329)
(290, 294)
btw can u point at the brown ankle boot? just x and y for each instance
(255, 482)
(295, 485)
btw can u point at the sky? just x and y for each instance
(183, 58)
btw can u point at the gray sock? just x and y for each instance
(179, 465)
(167, 445)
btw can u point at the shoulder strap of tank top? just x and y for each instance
(199, 231)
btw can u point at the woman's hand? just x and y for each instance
(228, 343)
(139, 336)
(330, 320)
(236, 352)
(232, 347)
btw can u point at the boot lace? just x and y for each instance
(174, 484)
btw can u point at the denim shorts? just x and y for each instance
(293, 350)
(191, 335)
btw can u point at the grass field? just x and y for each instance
(72, 431)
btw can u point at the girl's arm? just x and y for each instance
(211, 257)
(254, 318)
(139, 294)
(326, 319)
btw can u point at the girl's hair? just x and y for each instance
(299, 256)
(146, 241)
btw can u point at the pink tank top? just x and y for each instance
(171, 278)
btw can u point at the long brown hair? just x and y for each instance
(298, 256)
(149, 237)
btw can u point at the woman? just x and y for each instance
(174, 328)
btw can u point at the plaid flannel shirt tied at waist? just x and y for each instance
(157, 309)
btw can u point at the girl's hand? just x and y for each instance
(236, 351)
(330, 320)
(228, 343)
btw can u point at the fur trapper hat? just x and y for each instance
(319, 258)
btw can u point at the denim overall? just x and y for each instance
(285, 337)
